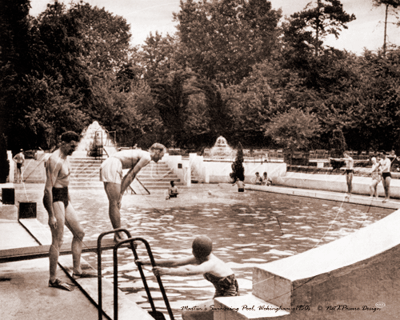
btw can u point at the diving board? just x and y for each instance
(42, 251)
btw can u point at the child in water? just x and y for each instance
(202, 262)
(172, 191)
(240, 185)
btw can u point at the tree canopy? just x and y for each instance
(232, 69)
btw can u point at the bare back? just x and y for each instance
(133, 157)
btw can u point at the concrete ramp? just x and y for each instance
(356, 277)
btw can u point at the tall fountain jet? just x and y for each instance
(94, 135)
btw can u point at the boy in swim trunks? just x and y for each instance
(115, 183)
(57, 202)
(349, 170)
(386, 176)
(172, 191)
(202, 262)
(19, 159)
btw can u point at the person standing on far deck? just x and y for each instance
(376, 176)
(349, 170)
(19, 159)
(57, 202)
(386, 175)
(115, 183)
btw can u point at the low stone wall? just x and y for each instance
(335, 183)
(217, 171)
(356, 277)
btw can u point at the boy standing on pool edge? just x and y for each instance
(349, 170)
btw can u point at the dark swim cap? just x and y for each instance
(202, 246)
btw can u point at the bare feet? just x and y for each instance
(120, 236)
(61, 285)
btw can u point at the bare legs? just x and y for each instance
(373, 190)
(349, 179)
(113, 191)
(68, 217)
(19, 175)
(386, 185)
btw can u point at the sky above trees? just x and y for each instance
(145, 16)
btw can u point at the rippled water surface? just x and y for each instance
(247, 229)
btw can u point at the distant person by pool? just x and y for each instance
(202, 262)
(265, 180)
(376, 176)
(349, 170)
(172, 191)
(19, 159)
(258, 180)
(240, 185)
(386, 165)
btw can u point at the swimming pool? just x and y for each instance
(248, 229)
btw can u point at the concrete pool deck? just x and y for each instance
(24, 292)
(24, 284)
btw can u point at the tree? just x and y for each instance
(55, 64)
(158, 56)
(308, 28)
(237, 166)
(104, 37)
(171, 97)
(386, 3)
(221, 40)
(293, 129)
(15, 62)
(217, 108)
(338, 146)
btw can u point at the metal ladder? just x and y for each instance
(154, 313)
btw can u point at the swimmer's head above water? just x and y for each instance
(202, 247)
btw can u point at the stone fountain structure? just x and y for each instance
(221, 149)
(94, 136)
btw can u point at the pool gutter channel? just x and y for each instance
(329, 195)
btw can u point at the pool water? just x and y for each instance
(247, 229)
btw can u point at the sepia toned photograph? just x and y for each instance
(199, 159)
